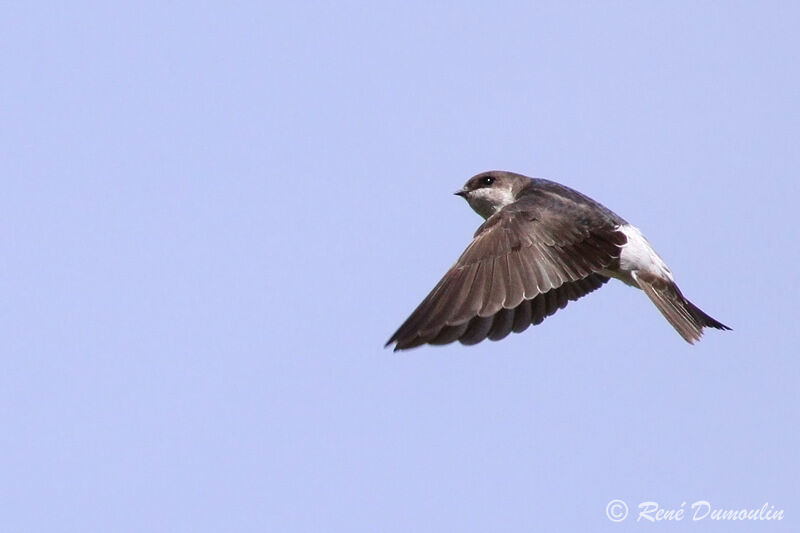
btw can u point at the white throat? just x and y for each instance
(489, 200)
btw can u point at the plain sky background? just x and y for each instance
(213, 216)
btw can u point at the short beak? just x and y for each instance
(461, 192)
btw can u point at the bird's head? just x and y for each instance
(489, 192)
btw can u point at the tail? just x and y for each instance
(687, 319)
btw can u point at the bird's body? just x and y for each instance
(541, 246)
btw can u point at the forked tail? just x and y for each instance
(687, 319)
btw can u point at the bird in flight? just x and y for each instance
(542, 245)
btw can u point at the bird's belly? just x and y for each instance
(637, 255)
(623, 276)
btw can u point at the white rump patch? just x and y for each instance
(638, 255)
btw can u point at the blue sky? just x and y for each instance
(213, 216)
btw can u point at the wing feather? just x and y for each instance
(503, 323)
(525, 262)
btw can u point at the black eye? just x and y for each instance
(488, 180)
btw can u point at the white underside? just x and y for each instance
(638, 256)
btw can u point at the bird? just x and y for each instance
(541, 246)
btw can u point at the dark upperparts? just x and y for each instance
(551, 242)
(560, 197)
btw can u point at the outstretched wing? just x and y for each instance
(525, 262)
